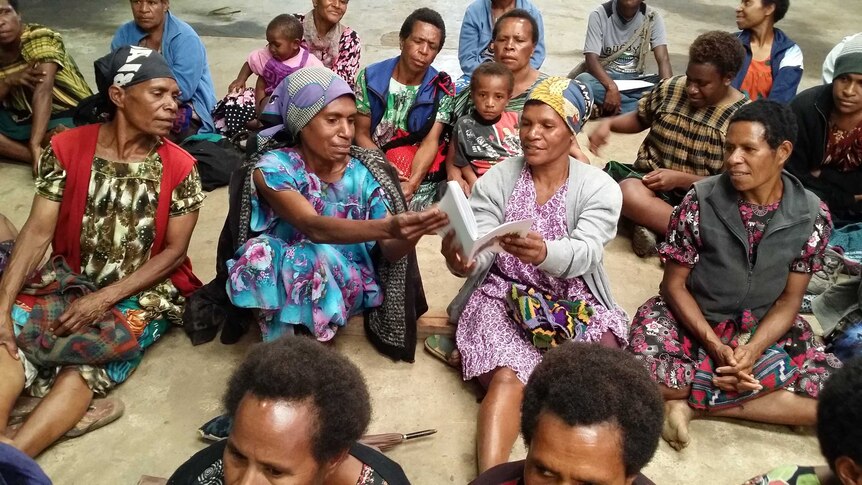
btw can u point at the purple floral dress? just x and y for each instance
(289, 278)
(675, 359)
(487, 336)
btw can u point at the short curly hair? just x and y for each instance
(721, 49)
(427, 15)
(493, 69)
(287, 25)
(839, 414)
(777, 119)
(781, 8)
(518, 13)
(586, 384)
(298, 369)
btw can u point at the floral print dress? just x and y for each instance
(487, 335)
(673, 356)
(117, 233)
(289, 278)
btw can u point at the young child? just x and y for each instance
(489, 134)
(283, 54)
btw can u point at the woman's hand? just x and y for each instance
(236, 85)
(413, 225)
(599, 136)
(662, 180)
(451, 250)
(7, 335)
(407, 187)
(738, 372)
(28, 77)
(81, 313)
(530, 249)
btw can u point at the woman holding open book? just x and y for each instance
(547, 287)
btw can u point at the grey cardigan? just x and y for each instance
(593, 204)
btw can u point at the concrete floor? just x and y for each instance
(178, 386)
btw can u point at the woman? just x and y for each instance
(773, 62)
(739, 349)
(476, 38)
(298, 410)
(687, 118)
(335, 44)
(40, 85)
(515, 39)
(119, 204)
(575, 208)
(154, 27)
(404, 107)
(827, 157)
(324, 213)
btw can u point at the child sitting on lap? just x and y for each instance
(489, 134)
(283, 54)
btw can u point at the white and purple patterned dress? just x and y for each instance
(487, 336)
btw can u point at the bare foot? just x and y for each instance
(677, 416)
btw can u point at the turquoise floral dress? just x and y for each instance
(289, 278)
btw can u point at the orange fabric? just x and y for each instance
(758, 80)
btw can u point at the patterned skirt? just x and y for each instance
(797, 362)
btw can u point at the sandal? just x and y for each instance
(444, 348)
(100, 413)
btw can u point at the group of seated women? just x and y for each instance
(333, 205)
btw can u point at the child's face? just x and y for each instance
(490, 95)
(281, 47)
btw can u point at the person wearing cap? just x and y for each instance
(118, 202)
(553, 274)
(827, 156)
(40, 85)
(323, 210)
(156, 28)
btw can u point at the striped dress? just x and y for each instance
(681, 137)
(40, 44)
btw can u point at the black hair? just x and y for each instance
(586, 384)
(287, 25)
(518, 13)
(428, 16)
(299, 369)
(777, 119)
(781, 7)
(14, 5)
(721, 49)
(493, 69)
(839, 414)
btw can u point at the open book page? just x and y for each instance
(461, 220)
(632, 84)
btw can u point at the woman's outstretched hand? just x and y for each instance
(413, 225)
(530, 249)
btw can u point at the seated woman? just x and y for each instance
(298, 409)
(335, 44)
(827, 157)
(584, 426)
(687, 118)
(154, 27)
(839, 431)
(404, 106)
(476, 37)
(575, 208)
(40, 85)
(324, 212)
(772, 68)
(119, 203)
(739, 349)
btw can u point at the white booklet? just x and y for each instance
(455, 204)
(632, 84)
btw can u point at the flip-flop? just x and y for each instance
(100, 413)
(443, 348)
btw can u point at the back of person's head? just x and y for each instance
(781, 7)
(287, 26)
(518, 13)
(839, 422)
(777, 119)
(427, 16)
(298, 370)
(720, 49)
(492, 69)
(588, 384)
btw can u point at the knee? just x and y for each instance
(633, 190)
(505, 377)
